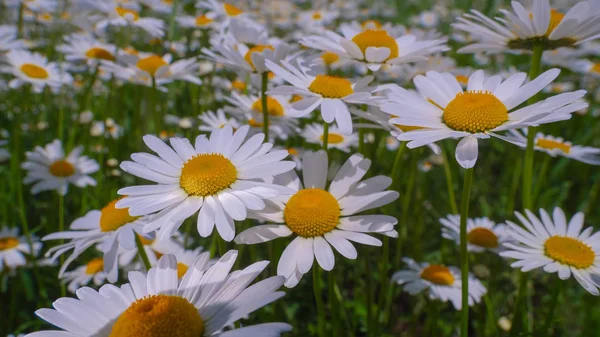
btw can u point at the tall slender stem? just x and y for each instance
(545, 331)
(142, 253)
(319, 300)
(464, 258)
(534, 71)
(333, 305)
(397, 161)
(449, 184)
(152, 107)
(325, 136)
(265, 108)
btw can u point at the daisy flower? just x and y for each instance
(482, 233)
(50, 169)
(85, 48)
(9, 40)
(218, 178)
(203, 303)
(110, 228)
(277, 106)
(321, 218)
(442, 109)
(556, 146)
(32, 68)
(216, 120)
(4, 152)
(34, 5)
(224, 11)
(522, 29)
(201, 21)
(13, 247)
(375, 47)
(316, 19)
(153, 248)
(313, 133)
(116, 14)
(556, 245)
(83, 275)
(329, 93)
(442, 282)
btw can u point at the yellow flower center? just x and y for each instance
(231, 10)
(438, 274)
(95, 266)
(62, 168)
(474, 112)
(181, 269)
(556, 18)
(596, 68)
(376, 38)
(8, 243)
(238, 85)
(254, 123)
(124, 12)
(296, 98)
(464, 80)
(482, 237)
(569, 251)
(330, 58)
(317, 16)
(34, 71)
(159, 316)
(144, 241)
(99, 53)
(207, 174)
(151, 64)
(331, 86)
(333, 138)
(255, 49)
(292, 151)
(273, 106)
(203, 20)
(113, 218)
(549, 144)
(312, 212)
(370, 24)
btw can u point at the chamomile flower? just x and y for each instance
(146, 68)
(556, 245)
(321, 218)
(521, 28)
(4, 152)
(110, 228)
(329, 93)
(83, 275)
(220, 178)
(482, 233)
(224, 11)
(13, 248)
(313, 133)
(204, 303)
(277, 106)
(216, 120)
(8, 39)
(442, 109)
(316, 20)
(32, 68)
(441, 282)
(116, 14)
(85, 48)
(201, 21)
(375, 47)
(556, 146)
(50, 169)
(153, 248)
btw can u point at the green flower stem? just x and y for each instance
(464, 258)
(449, 184)
(319, 301)
(142, 253)
(333, 305)
(263, 100)
(325, 136)
(397, 160)
(545, 331)
(152, 107)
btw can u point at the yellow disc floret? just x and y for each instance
(438, 274)
(207, 174)
(232, 10)
(99, 54)
(376, 38)
(62, 168)
(482, 237)
(34, 71)
(151, 64)
(333, 138)
(475, 112)
(159, 316)
(312, 212)
(113, 218)
(331, 86)
(8, 243)
(181, 269)
(330, 58)
(126, 12)
(550, 144)
(569, 251)
(203, 20)
(556, 18)
(255, 49)
(273, 106)
(95, 266)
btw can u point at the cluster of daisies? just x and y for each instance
(336, 79)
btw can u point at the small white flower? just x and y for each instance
(14, 247)
(482, 233)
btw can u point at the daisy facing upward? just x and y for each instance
(321, 217)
